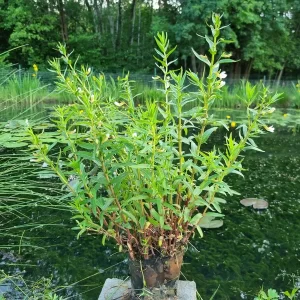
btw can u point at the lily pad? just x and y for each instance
(209, 222)
(261, 204)
(248, 201)
(257, 203)
(213, 224)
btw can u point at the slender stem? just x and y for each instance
(228, 166)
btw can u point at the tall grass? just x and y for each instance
(290, 97)
(25, 88)
(15, 287)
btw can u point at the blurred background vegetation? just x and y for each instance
(117, 35)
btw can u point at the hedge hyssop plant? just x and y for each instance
(139, 175)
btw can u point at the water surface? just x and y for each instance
(251, 249)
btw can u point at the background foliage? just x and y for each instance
(116, 35)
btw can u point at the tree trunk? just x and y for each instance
(194, 64)
(97, 18)
(139, 29)
(87, 4)
(237, 66)
(280, 75)
(159, 4)
(119, 25)
(63, 21)
(111, 24)
(248, 69)
(132, 16)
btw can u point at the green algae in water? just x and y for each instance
(251, 249)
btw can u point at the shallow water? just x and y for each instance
(251, 249)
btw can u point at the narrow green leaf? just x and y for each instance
(195, 220)
(153, 222)
(199, 231)
(226, 61)
(139, 166)
(237, 172)
(210, 42)
(186, 214)
(214, 214)
(207, 133)
(14, 144)
(130, 216)
(142, 221)
(103, 239)
(171, 207)
(155, 214)
(203, 58)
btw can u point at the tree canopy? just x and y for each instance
(117, 35)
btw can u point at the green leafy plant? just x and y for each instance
(273, 295)
(19, 289)
(142, 175)
(270, 295)
(291, 295)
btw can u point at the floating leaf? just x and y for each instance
(209, 222)
(213, 224)
(248, 201)
(260, 204)
(257, 203)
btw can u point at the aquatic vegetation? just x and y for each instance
(17, 288)
(257, 203)
(25, 88)
(240, 237)
(272, 294)
(109, 145)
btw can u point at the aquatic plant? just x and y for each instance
(17, 288)
(257, 203)
(272, 294)
(109, 146)
(139, 174)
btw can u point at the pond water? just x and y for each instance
(251, 250)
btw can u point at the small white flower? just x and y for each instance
(88, 71)
(26, 122)
(79, 90)
(270, 128)
(44, 165)
(155, 77)
(222, 83)
(115, 173)
(119, 103)
(134, 134)
(271, 110)
(92, 98)
(107, 135)
(222, 75)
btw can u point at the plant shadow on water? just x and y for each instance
(250, 250)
